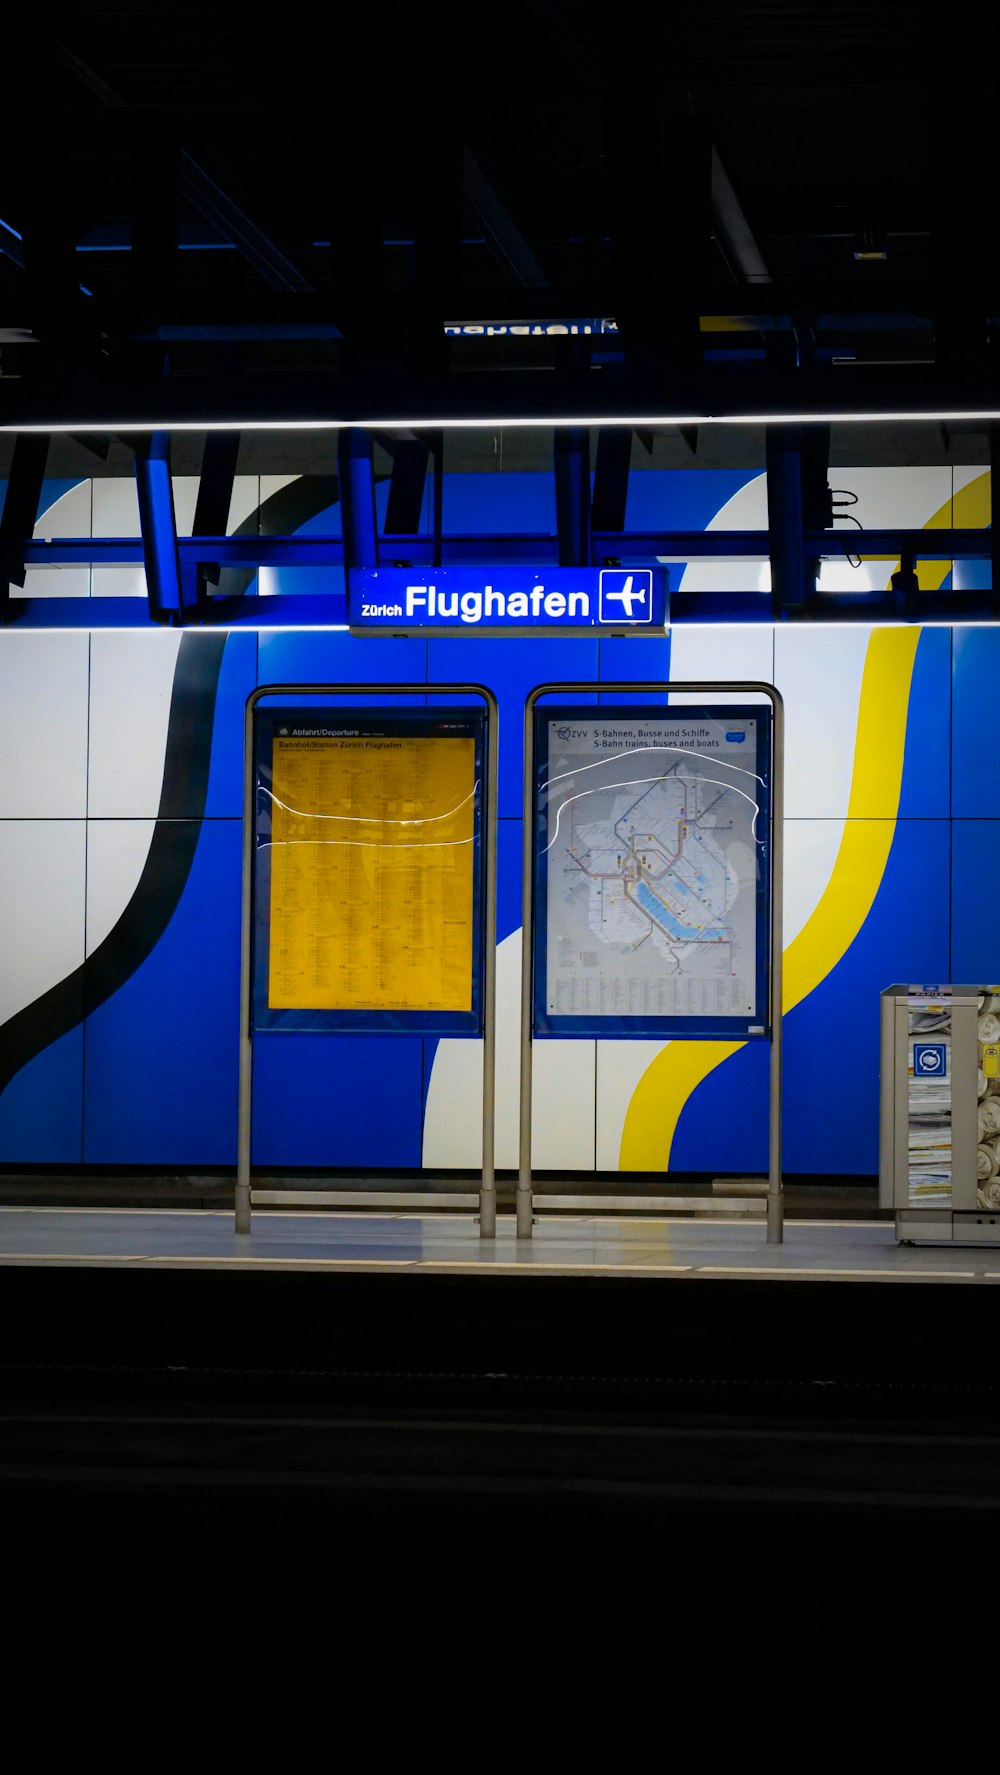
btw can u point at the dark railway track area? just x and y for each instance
(387, 1401)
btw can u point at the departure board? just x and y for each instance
(368, 864)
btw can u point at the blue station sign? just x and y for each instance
(506, 600)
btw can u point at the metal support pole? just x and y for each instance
(487, 1187)
(245, 1099)
(357, 497)
(572, 463)
(785, 521)
(775, 1197)
(525, 1189)
(525, 1217)
(611, 472)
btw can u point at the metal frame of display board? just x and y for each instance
(525, 1190)
(322, 1198)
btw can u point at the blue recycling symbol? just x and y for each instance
(930, 1060)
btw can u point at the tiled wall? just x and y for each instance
(120, 880)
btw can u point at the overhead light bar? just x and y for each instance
(494, 422)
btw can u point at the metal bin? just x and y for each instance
(939, 1144)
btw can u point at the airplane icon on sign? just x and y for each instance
(631, 592)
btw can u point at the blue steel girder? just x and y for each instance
(572, 469)
(159, 552)
(630, 545)
(355, 467)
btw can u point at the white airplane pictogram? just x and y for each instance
(628, 597)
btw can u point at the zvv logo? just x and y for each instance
(625, 597)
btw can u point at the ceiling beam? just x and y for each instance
(207, 196)
(501, 233)
(409, 393)
(732, 230)
(259, 250)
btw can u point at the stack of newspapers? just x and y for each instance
(929, 1138)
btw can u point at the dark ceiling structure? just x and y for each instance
(671, 230)
(216, 215)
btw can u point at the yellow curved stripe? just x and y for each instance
(871, 816)
(656, 1105)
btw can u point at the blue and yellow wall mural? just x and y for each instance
(120, 811)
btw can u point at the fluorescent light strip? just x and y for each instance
(304, 628)
(491, 423)
(215, 628)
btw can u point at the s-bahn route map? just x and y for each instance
(655, 836)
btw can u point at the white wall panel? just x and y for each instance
(185, 491)
(721, 650)
(42, 894)
(905, 497)
(116, 503)
(116, 513)
(69, 515)
(563, 1091)
(66, 516)
(43, 725)
(245, 500)
(620, 1066)
(53, 582)
(453, 1114)
(118, 582)
(819, 672)
(892, 496)
(116, 856)
(811, 848)
(746, 510)
(888, 497)
(115, 506)
(131, 681)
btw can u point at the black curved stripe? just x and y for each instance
(183, 792)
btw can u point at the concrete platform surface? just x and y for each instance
(565, 1245)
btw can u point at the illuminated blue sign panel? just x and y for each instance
(506, 600)
(522, 329)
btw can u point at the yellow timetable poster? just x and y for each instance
(372, 873)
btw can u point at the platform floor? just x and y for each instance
(681, 1249)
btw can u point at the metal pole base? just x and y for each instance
(242, 1207)
(525, 1217)
(775, 1219)
(488, 1214)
